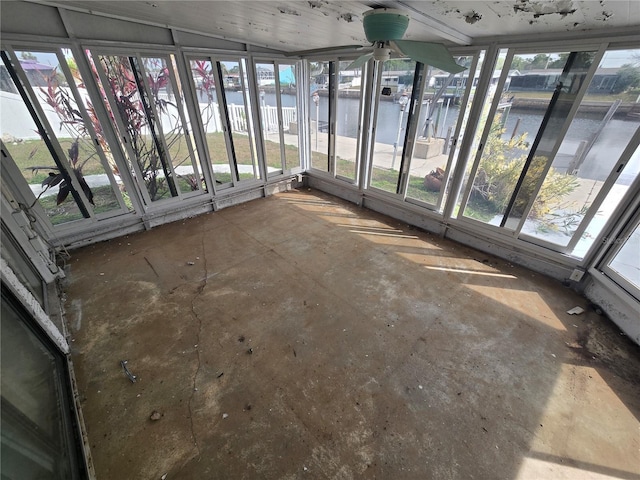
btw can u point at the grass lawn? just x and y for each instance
(103, 197)
(34, 153)
(387, 180)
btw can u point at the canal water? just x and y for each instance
(612, 141)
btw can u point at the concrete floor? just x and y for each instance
(299, 336)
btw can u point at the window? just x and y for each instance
(552, 166)
(238, 106)
(38, 434)
(591, 156)
(151, 121)
(395, 82)
(348, 121)
(441, 126)
(277, 88)
(319, 115)
(624, 266)
(56, 139)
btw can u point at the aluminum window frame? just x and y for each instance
(516, 233)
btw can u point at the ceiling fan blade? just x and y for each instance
(360, 61)
(434, 54)
(316, 51)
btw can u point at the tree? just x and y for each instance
(540, 61)
(582, 60)
(628, 77)
(28, 56)
(399, 65)
(518, 63)
(500, 167)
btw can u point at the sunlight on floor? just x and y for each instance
(390, 234)
(473, 272)
(523, 301)
(376, 227)
(558, 454)
(536, 469)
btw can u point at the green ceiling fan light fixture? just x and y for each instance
(384, 24)
(384, 28)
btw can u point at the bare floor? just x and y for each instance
(299, 336)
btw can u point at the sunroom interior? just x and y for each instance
(191, 188)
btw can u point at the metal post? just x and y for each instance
(316, 100)
(264, 115)
(403, 100)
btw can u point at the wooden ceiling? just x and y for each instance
(305, 24)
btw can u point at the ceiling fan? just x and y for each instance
(384, 28)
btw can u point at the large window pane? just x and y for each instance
(602, 128)
(626, 262)
(288, 99)
(102, 148)
(602, 212)
(348, 105)
(435, 153)
(237, 99)
(529, 197)
(486, 102)
(25, 143)
(204, 76)
(167, 104)
(22, 266)
(125, 85)
(86, 157)
(514, 128)
(37, 441)
(319, 115)
(270, 124)
(391, 123)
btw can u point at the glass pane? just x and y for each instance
(35, 441)
(237, 99)
(134, 110)
(288, 96)
(391, 124)
(443, 93)
(575, 72)
(59, 104)
(514, 128)
(626, 263)
(102, 151)
(270, 125)
(204, 78)
(487, 101)
(319, 115)
(180, 150)
(606, 209)
(27, 148)
(599, 133)
(348, 106)
(21, 266)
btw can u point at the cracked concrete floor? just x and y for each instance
(299, 336)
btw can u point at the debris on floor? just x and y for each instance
(155, 415)
(129, 375)
(575, 311)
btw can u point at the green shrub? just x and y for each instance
(500, 168)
